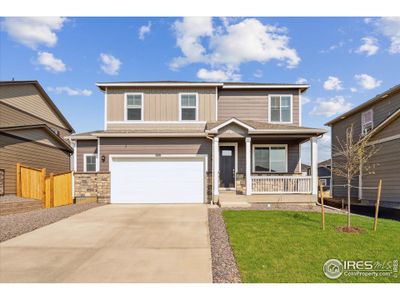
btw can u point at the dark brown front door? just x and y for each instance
(227, 166)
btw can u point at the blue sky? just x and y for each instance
(345, 60)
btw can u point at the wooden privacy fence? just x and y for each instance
(54, 190)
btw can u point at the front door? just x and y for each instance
(227, 166)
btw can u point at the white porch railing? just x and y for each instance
(281, 184)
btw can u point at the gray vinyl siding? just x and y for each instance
(14, 149)
(110, 146)
(84, 147)
(252, 104)
(385, 165)
(381, 111)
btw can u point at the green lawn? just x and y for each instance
(284, 246)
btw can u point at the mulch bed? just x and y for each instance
(224, 268)
(17, 224)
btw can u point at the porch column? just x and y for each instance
(215, 166)
(248, 166)
(314, 165)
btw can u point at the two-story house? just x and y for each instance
(32, 131)
(184, 142)
(379, 117)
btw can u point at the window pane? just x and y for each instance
(275, 109)
(188, 114)
(91, 163)
(261, 159)
(135, 100)
(134, 114)
(278, 159)
(285, 109)
(188, 100)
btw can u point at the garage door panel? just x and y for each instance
(157, 181)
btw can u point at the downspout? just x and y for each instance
(212, 162)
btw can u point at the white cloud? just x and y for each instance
(353, 90)
(144, 30)
(301, 80)
(330, 107)
(258, 73)
(333, 83)
(217, 75)
(110, 64)
(367, 82)
(50, 63)
(305, 100)
(70, 91)
(231, 44)
(33, 31)
(390, 27)
(369, 46)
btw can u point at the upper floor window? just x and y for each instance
(188, 106)
(90, 162)
(367, 121)
(280, 109)
(134, 107)
(270, 158)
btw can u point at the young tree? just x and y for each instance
(351, 155)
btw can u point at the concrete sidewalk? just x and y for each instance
(114, 243)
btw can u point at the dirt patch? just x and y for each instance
(345, 229)
(224, 268)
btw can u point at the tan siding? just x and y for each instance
(152, 128)
(13, 150)
(153, 146)
(161, 104)
(251, 104)
(10, 116)
(38, 135)
(84, 147)
(27, 98)
(386, 165)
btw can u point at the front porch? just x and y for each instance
(262, 167)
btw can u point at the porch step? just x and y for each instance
(230, 199)
(234, 204)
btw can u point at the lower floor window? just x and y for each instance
(90, 162)
(269, 158)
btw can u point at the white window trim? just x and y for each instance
(372, 120)
(280, 111)
(84, 161)
(264, 146)
(180, 107)
(126, 107)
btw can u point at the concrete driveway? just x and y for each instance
(114, 243)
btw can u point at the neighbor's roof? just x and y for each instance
(45, 96)
(41, 126)
(366, 104)
(223, 85)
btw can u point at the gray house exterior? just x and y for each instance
(380, 116)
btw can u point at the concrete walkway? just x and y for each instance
(114, 243)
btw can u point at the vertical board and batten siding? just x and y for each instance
(27, 98)
(161, 104)
(111, 146)
(251, 104)
(14, 149)
(381, 110)
(84, 147)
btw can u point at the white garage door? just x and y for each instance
(157, 180)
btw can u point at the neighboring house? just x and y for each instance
(380, 116)
(324, 173)
(32, 131)
(183, 142)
